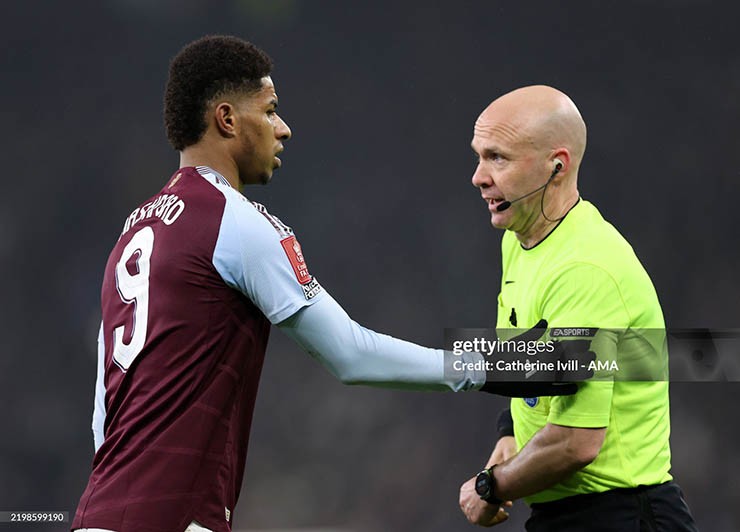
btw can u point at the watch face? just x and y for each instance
(483, 483)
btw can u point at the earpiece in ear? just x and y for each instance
(558, 165)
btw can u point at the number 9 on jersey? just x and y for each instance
(134, 289)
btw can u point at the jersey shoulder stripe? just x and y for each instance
(257, 254)
(225, 187)
(212, 175)
(279, 226)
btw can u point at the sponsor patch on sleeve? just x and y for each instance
(295, 256)
(311, 289)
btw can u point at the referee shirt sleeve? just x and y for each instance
(583, 289)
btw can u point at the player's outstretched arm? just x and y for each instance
(356, 355)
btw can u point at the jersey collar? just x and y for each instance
(205, 171)
(554, 228)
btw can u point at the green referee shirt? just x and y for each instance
(585, 274)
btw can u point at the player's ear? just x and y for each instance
(224, 118)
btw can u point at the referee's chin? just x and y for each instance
(500, 222)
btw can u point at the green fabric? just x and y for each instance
(585, 274)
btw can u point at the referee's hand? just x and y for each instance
(476, 510)
(479, 512)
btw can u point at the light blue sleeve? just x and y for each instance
(98, 420)
(356, 355)
(252, 255)
(258, 255)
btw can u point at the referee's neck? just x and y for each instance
(533, 239)
(546, 222)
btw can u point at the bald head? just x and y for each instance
(540, 116)
(520, 139)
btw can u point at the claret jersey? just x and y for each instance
(190, 289)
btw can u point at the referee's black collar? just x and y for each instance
(553, 229)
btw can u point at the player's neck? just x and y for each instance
(198, 155)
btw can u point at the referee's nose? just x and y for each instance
(480, 178)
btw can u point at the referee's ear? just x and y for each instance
(560, 163)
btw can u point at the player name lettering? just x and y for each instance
(166, 207)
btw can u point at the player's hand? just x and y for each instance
(541, 383)
(478, 511)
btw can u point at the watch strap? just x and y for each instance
(489, 497)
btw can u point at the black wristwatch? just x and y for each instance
(484, 485)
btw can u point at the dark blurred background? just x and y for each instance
(381, 98)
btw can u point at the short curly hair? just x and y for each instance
(212, 66)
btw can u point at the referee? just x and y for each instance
(598, 460)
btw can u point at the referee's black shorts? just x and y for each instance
(658, 508)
